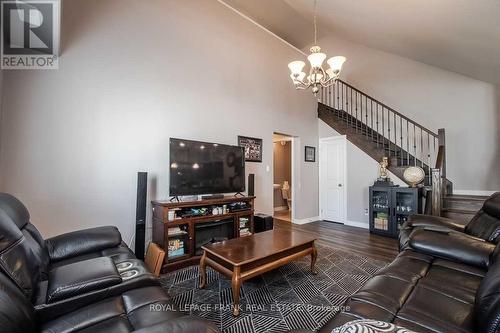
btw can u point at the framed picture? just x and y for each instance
(310, 154)
(253, 148)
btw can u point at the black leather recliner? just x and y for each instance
(446, 279)
(87, 279)
(440, 284)
(141, 310)
(66, 248)
(484, 225)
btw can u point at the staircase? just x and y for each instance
(380, 131)
(461, 207)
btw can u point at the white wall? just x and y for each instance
(362, 171)
(133, 74)
(467, 108)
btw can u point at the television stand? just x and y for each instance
(239, 194)
(180, 237)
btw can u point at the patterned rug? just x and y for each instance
(286, 298)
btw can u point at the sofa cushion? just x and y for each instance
(132, 310)
(418, 292)
(454, 246)
(486, 223)
(437, 311)
(81, 242)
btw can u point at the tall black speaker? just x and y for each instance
(251, 184)
(140, 214)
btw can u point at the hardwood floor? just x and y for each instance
(284, 215)
(349, 238)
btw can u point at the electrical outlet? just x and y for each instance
(366, 211)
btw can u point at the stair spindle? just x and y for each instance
(414, 146)
(421, 148)
(366, 116)
(401, 141)
(428, 153)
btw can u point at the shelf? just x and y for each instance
(381, 210)
(202, 218)
(404, 213)
(178, 257)
(184, 234)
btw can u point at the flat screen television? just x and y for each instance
(205, 168)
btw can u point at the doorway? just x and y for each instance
(333, 179)
(283, 146)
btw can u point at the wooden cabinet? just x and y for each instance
(182, 229)
(391, 206)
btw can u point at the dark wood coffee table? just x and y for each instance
(243, 258)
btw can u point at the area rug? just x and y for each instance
(286, 298)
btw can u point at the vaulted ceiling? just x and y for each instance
(462, 36)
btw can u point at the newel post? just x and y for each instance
(442, 146)
(437, 185)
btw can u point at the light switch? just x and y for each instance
(268, 168)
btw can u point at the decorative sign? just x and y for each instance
(310, 154)
(253, 148)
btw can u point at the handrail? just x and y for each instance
(440, 158)
(401, 139)
(389, 108)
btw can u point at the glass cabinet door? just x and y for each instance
(381, 203)
(404, 205)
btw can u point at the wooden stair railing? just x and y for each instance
(406, 141)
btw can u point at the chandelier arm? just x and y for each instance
(301, 83)
(330, 81)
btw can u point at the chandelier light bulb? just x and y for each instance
(336, 63)
(296, 67)
(316, 59)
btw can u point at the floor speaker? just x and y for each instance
(140, 214)
(251, 184)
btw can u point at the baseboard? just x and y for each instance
(357, 224)
(280, 208)
(306, 220)
(473, 192)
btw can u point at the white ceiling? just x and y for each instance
(462, 36)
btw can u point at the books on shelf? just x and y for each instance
(175, 248)
(245, 231)
(176, 231)
(381, 221)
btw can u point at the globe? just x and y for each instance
(414, 175)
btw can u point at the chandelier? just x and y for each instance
(318, 77)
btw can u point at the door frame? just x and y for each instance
(322, 141)
(295, 163)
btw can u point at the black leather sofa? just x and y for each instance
(484, 225)
(82, 281)
(446, 278)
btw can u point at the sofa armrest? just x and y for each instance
(81, 277)
(82, 242)
(436, 222)
(454, 246)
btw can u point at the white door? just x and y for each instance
(332, 161)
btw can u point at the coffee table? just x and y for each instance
(243, 258)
